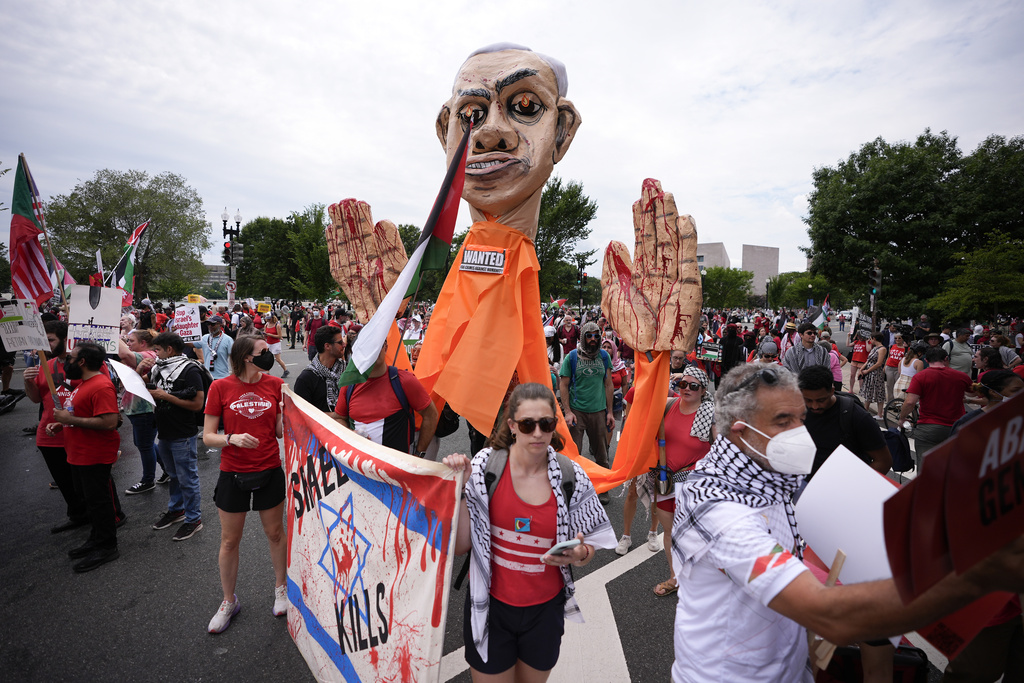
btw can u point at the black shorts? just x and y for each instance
(229, 498)
(532, 634)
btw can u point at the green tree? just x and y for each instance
(309, 251)
(102, 212)
(565, 212)
(269, 265)
(214, 292)
(5, 269)
(804, 286)
(727, 287)
(989, 191)
(986, 279)
(777, 288)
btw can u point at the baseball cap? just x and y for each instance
(215, 320)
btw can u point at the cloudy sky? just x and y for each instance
(267, 107)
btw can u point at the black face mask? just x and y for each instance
(72, 370)
(264, 361)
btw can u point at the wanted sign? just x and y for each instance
(483, 261)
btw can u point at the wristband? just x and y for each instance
(661, 442)
(227, 439)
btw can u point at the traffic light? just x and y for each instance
(239, 251)
(227, 251)
(584, 276)
(874, 280)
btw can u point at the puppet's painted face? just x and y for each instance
(512, 98)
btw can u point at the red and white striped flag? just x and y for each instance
(30, 277)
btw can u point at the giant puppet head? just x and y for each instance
(522, 127)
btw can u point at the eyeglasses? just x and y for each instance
(692, 386)
(528, 424)
(770, 356)
(767, 376)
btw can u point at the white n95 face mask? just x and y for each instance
(789, 452)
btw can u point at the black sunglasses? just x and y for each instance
(770, 356)
(693, 386)
(767, 376)
(528, 424)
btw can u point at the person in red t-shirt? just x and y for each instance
(892, 365)
(249, 404)
(91, 439)
(314, 323)
(939, 390)
(859, 346)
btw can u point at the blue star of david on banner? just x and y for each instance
(344, 522)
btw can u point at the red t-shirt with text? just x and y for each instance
(248, 409)
(63, 394)
(860, 352)
(520, 534)
(895, 355)
(91, 398)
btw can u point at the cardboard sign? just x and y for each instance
(94, 315)
(262, 308)
(194, 299)
(986, 484)
(370, 540)
(21, 328)
(186, 322)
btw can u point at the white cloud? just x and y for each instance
(268, 107)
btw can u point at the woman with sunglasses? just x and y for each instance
(686, 432)
(513, 581)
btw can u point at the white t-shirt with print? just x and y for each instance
(724, 630)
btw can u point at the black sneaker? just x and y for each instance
(81, 551)
(164, 478)
(169, 518)
(187, 530)
(69, 525)
(141, 487)
(285, 374)
(96, 558)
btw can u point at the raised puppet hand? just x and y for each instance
(654, 302)
(366, 259)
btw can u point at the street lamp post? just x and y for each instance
(767, 283)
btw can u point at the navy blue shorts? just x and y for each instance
(532, 634)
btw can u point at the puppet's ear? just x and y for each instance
(568, 121)
(442, 125)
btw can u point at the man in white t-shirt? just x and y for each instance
(745, 597)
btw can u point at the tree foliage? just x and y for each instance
(565, 212)
(804, 286)
(5, 269)
(306, 235)
(102, 212)
(727, 287)
(269, 265)
(986, 281)
(914, 207)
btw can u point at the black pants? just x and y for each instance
(60, 471)
(96, 487)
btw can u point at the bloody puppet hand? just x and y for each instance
(366, 259)
(654, 303)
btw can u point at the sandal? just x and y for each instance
(666, 588)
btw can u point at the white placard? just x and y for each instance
(100, 323)
(22, 328)
(842, 508)
(107, 337)
(186, 322)
(132, 381)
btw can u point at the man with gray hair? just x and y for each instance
(745, 597)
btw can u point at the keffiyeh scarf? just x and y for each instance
(726, 475)
(330, 376)
(705, 417)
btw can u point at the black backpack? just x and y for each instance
(493, 470)
(207, 378)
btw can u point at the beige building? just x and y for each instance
(763, 262)
(711, 255)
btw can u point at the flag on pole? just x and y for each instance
(435, 240)
(30, 276)
(123, 274)
(821, 319)
(60, 278)
(440, 227)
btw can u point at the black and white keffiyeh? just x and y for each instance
(726, 475)
(330, 376)
(705, 417)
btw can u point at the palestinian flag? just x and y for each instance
(819, 316)
(440, 227)
(60, 278)
(434, 244)
(30, 277)
(123, 275)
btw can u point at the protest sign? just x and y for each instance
(262, 308)
(370, 535)
(21, 327)
(186, 322)
(194, 299)
(94, 315)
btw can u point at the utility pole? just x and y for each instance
(875, 290)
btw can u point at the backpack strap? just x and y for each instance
(494, 468)
(396, 386)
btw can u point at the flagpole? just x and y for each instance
(113, 271)
(42, 221)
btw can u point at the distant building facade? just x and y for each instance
(763, 262)
(215, 276)
(712, 255)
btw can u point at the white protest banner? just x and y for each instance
(21, 327)
(132, 381)
(186, 322)
(95, 315)
(370, 535)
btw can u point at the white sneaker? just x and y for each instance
(652, 541)
(222, 619)
(623, 547)
(280, 601)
